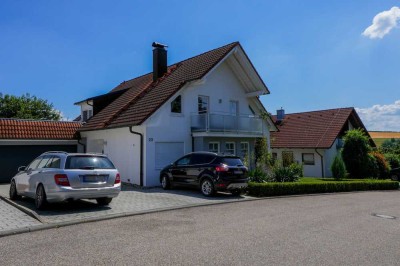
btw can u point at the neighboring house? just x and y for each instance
(313, 138)
(209, 102)
(23, 140)
(380, 136)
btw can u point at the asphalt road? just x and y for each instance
(336, 229)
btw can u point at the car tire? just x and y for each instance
(394, 177)
(236, 192)
(40, 197)
(207, 187)
(165, 183)
(103, 201)
(13, 191)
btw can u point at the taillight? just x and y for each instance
(117, 179)
(61, 180)
(222, 168)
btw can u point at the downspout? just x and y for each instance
(83, 144)
(322, 162)
(141, 153)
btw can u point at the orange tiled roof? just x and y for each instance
(143, 96)
(316, 129)
(37, 129)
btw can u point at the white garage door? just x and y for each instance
(168, 152)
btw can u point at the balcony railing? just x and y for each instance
(225, 123)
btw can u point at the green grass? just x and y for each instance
(379, 141)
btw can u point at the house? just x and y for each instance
(22, 140)
(209, 102)
(313, 138)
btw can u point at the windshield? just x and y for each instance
(88, 162)
(232, 161)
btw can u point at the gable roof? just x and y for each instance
(142, 97)
(37, 129)
(316, 129)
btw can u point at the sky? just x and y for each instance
(313, 55)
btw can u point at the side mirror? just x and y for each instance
(21, 168)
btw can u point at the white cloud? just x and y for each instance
(383, 23)
(381, 117)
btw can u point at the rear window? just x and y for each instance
(232, 161)
(88, 162)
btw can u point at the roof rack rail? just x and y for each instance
(55, 152)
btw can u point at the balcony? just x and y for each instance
(227, 124)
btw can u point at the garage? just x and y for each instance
(23, 140)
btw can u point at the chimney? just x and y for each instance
(280, 115)
(159, 60)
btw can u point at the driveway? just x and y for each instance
(129, 202)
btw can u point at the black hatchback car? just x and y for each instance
(395, 174)
(209, 171)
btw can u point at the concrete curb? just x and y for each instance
(46, 226)
(23, 209)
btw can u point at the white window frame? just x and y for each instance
(237, 107)
(214, 142)
(305, 162)
(247, 150)
(234, 147)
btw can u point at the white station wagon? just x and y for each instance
(58, 176)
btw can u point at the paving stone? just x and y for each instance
(12, 218)
(129, 200)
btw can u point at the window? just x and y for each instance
(84, 116)
(232, 161)
(213, 147)
(34, 164)
(183, 161)
(54, 163)
(251, 110)
(287, 158)
(244, 149)
(44, 161)
(203, 104)
(230, 148)
(176, 105)
(88, 162)
(234, 108)
(308, 158)
(274, 156)
(90, 113)
(201, 158)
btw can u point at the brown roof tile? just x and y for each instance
(143, 96)
(37, 129)
(317, 129)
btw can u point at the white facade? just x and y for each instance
(323, 157)
(168, 135)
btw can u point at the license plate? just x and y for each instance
(94, 178)
(238, 172)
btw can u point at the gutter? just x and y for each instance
(322, 162)
(141, 154)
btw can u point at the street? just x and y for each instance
(333, 229)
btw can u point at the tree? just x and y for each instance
(27, 107)
(355, 153)
(338, 168)
(391, 146)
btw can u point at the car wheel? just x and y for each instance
(236, 192)
(13, 191)
(394, 177)
(103, 201)
(40, 198)
(165, 183)
(207, 187)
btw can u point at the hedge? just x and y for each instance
(293, 188)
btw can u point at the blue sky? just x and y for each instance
(311, 54)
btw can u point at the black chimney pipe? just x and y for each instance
(159, 60)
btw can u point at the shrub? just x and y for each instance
(260, 151)
(338, 168)
(382, 165)
(258, 175)
(355, 153)
(393, 160)
(278, 189)
(289, 173)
